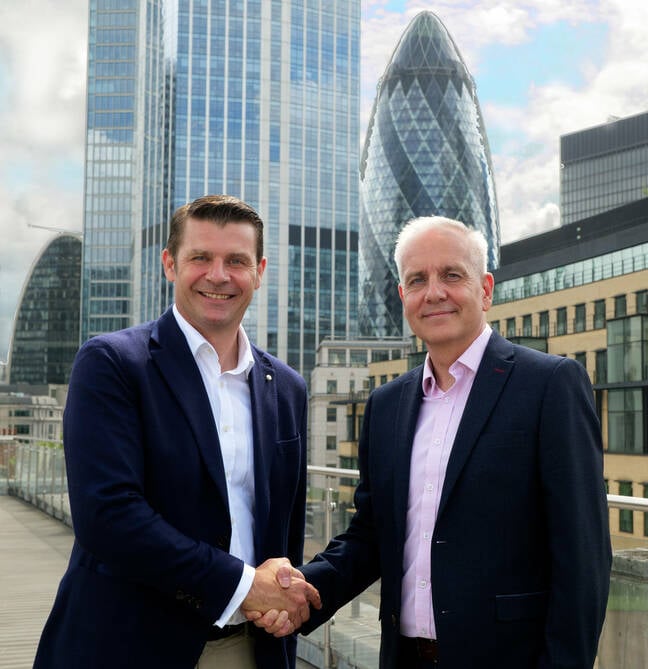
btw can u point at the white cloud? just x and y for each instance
(42, 80)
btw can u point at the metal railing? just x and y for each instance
(35, 471)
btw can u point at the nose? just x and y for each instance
(435, 290)
(217, 272)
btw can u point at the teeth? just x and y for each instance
(216, 296)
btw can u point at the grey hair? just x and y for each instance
(417, 226)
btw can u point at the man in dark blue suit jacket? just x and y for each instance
(481, 503)
(177, 433)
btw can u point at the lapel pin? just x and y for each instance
(268, 377)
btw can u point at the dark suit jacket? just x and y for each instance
(520, 553)
(149, 571)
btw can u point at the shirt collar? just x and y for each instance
(470, 359)
(196, 341)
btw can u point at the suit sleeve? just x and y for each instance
(571, 465)
(351, 561)
(114, 521)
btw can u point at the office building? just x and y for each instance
(581, 291)
(603, 167)
(425, 154)
(255, 99)
(45, 337)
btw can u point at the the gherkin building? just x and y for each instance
(425, 154)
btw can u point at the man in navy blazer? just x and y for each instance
(186, 455)
(481, 503)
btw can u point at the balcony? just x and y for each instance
(36, 474)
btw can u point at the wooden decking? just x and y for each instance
(34, 549)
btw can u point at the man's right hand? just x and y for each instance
(280, 592)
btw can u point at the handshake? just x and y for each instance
(280, 598)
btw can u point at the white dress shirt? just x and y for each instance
(229, 398)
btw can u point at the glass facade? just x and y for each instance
(603, 167)
(46, 329)
(606, 266)
(627, 363)
(123, 169)
(255, 99)
(425, 154)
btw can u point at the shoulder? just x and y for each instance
(534, 364)
(129, 343)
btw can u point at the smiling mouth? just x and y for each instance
(216, 296)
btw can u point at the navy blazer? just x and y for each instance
(520, 554)
(150, 570)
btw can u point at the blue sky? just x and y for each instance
(542, 68)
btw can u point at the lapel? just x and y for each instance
(172, 356)
(408, 406)
(492, 374)
(263, 397)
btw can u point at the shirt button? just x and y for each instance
(437, 441)
(426, 535)
(226, 428)
(422, 584)
(429, 487)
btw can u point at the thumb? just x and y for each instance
(283, 576)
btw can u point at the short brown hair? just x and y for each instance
(219, 209)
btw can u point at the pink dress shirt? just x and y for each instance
(436, 429)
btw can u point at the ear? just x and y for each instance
(169, 265)
(487, 285)
(259, 272)
(400, 291)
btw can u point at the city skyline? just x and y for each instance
(530, 87)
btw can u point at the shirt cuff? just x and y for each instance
(231, 613)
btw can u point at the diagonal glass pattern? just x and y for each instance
(425, 154)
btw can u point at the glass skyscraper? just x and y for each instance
(46, 328)
(603, 167)
(425, 154)
(257, 99)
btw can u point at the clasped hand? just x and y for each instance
(279, 598)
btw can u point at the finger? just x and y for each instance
(313, 596)
(284, 575)
(252, 616)
(267, 620)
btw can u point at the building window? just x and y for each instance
(561, 321)
(379, 355)
(495, 326)
(337, 356)
(599, 314)
(627, 345)
(331, 414)
(619, 306)
(600, 371)
(510, 327)
(331, 386)
(581, 357)
(579, 318)
(358, 358)
(626, 421)
(526, 326)
(642, 301)
(543, 327)
(383, 379)
(626, 519)
(331, 443)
